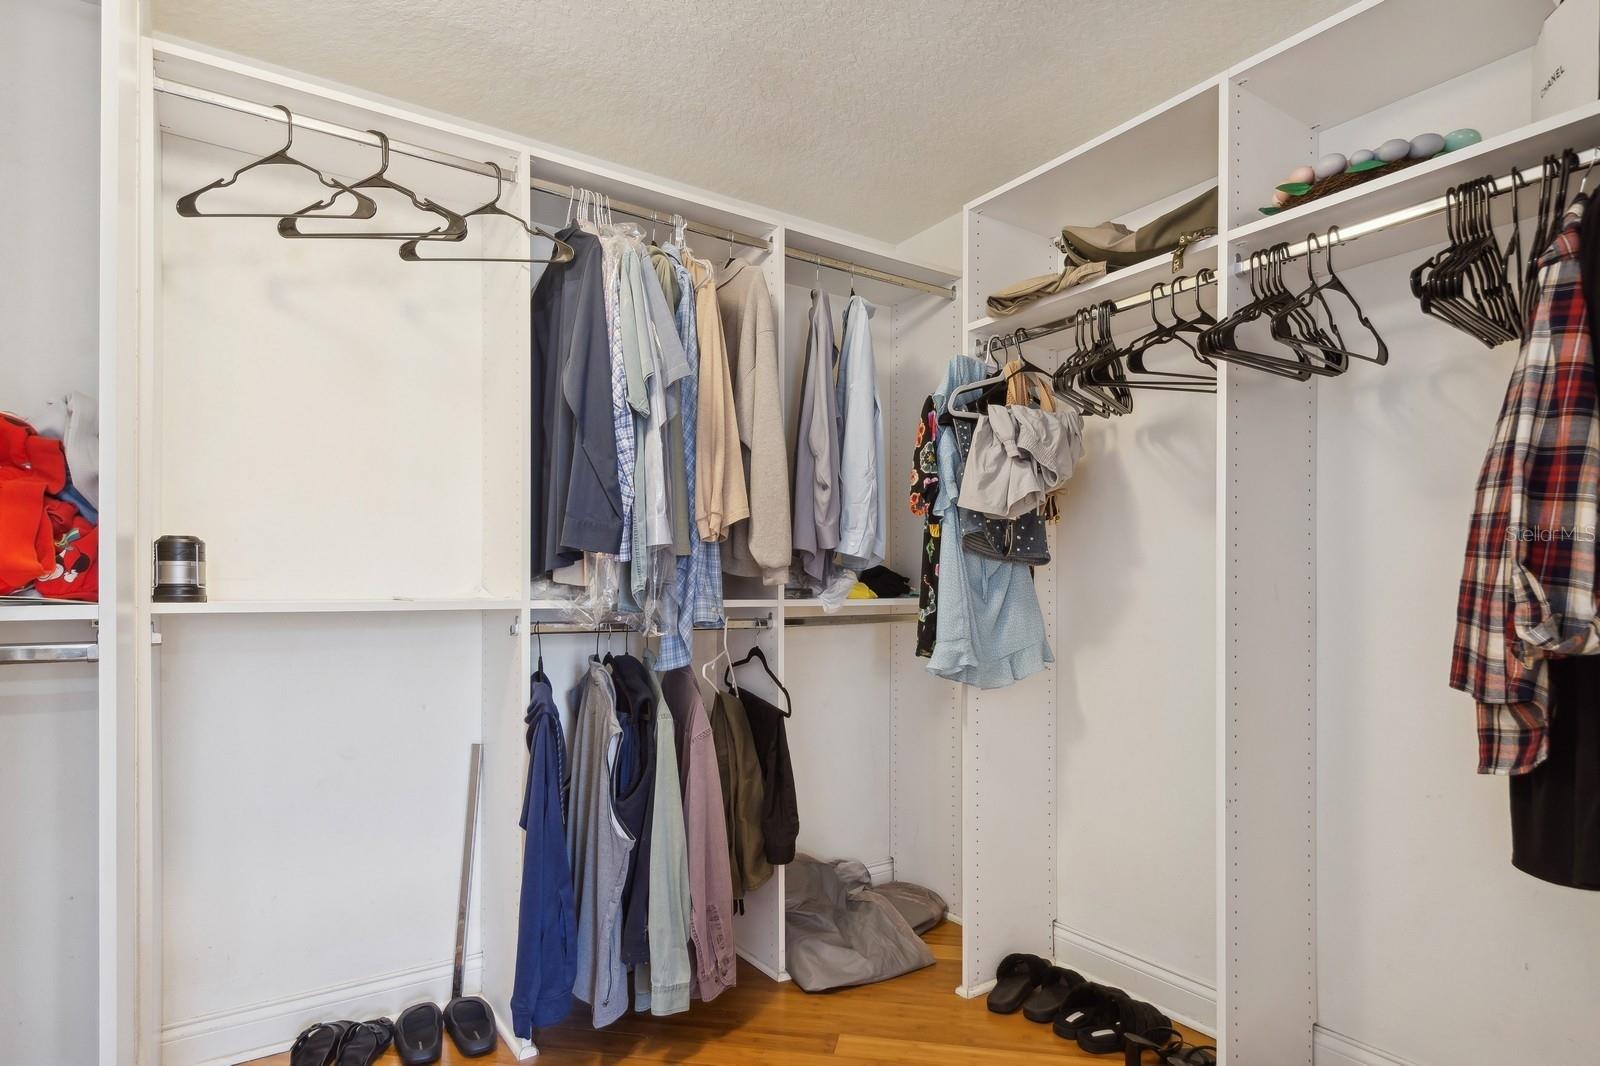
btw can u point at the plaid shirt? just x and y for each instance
(621, 413)
(697, 590)
(1528, 585)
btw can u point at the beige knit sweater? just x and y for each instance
(719, 489)
(762, 546)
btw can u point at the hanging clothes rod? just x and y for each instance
(650, 214)
(79, 652)
(1438, 205)
(844, 266)
(558, 628)
(1187, 283)
(317, 125)
(851, 619)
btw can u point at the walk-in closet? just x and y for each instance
(970, 532)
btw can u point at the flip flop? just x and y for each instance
(364, 1042)
(316, 1045)
(1016, 978)
(1150, 1048)
(1041, 1006)
(419, 1034)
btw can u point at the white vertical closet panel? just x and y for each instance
(507, 664)
(50, 734)
(925, 711)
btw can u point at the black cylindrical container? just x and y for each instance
(180, 570)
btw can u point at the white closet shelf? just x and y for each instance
(1523, 147)
(883, 605)
(1114, 286)
(334, 606)
(49, 611)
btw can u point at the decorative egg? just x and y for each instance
(1329, 165)
(1461, 138)
(1280, 197)
(1365, 155)
(1426, 146)
(1390, 150)
(1303, 174)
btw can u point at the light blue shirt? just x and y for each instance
(863, 514)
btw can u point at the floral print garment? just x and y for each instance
(924, 491)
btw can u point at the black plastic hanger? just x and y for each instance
(189, 203)
(560, 253)
(757, 655)
(1218, 341)
(538, 636)
(1332, 284)
(452, 226)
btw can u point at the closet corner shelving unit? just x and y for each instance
(1249, 543)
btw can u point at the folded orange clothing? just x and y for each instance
(23, 450)
(74, 573)
(27, 550)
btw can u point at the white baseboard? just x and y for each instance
(225, 1037)
(1182, 998)
(881, 872)
(1336, 1049)
(758, 964)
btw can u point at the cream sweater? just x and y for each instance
(719, 490)
(762, 546)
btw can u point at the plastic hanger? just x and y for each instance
(1218, 341)
(705, 671)
(1331, 284)
(560, 253)
(538, 636)
(452, 226)
(1161, 334)
(757, 655)
(189, 203)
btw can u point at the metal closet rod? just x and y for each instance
(317, 125)
(1139, 299)
(1438, 205)
(1341, 235)
(558, 628)
(473, 166)
(76, 652)
(732, 236)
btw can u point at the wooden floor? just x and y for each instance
(912, 1019)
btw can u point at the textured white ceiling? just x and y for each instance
(879, 117)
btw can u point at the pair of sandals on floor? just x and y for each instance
(1101, 1019)
(418, 1037)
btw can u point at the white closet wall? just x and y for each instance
(1422, 923)
(48, 713)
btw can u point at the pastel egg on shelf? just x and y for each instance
(1314, 179)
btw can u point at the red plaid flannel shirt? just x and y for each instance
(1528, 585)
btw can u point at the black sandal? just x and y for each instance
(1017, 977)
(364, 1042)
(1041, 1006)
(419, 1034)
(1150, 1048)
(1089, 1004)
(1192, 1055)
(316, 1045)
(1124, 1015)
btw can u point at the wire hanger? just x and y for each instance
(189, 203)
(452, 226)
(757, 655)
(560, 253)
